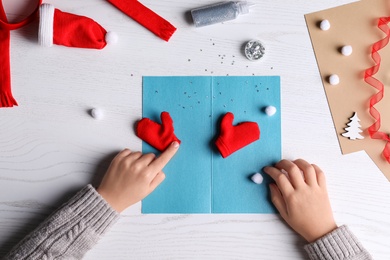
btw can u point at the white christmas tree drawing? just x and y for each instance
(353, 130)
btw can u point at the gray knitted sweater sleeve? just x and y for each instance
(70, 231)
(77, 225)
(339, 244)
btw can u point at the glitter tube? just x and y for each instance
(219, 12)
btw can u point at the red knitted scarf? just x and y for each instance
(6, 98)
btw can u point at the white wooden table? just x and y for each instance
(50, 147)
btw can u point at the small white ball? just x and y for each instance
(346, 50)
(97, 113)
(111, 38)
(257, 178)
(324, 25)
(270, 110)
(334, 79)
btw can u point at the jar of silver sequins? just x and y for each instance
(254, 50)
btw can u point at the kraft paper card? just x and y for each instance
(356, 25)
(198, 179)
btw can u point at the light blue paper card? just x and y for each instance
(198, 179)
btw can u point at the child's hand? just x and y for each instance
(301, 198)
(133, 175)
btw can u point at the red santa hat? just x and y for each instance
(71, 30)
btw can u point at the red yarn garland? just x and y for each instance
(373, 130)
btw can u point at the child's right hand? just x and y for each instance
(301, 198)
(133, 175)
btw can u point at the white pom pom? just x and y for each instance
(111, 38)
(257, 178)
(270, 110)
(346, 50)
(324, 25)
(97, 113)
(334, 79)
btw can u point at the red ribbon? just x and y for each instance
(373, 130)
(6, 98)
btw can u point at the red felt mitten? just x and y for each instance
(158, 136)
(233, 138)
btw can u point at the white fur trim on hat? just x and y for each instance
(46, 25)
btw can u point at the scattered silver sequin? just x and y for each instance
(254, 50)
